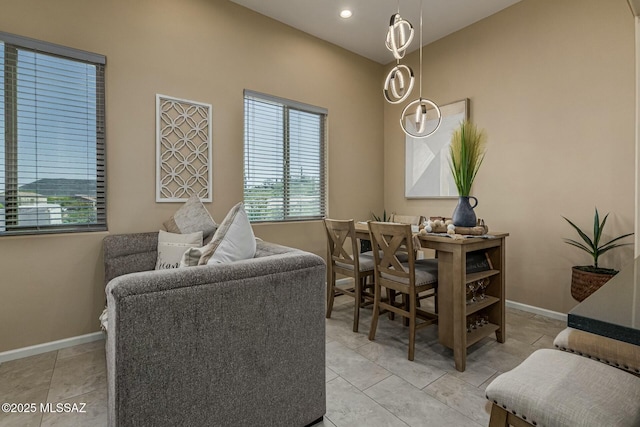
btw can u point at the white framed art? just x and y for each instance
(427, 172)
(183, 149)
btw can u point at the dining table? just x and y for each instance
(458, 324)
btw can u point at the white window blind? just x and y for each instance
(284, 159)
(52, 142)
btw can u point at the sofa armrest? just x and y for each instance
(233, 344)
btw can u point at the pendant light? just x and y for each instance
(416, 116)
(400, 80)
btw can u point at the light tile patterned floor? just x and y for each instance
(369, 383)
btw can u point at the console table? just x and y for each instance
(613, 310)
(453, 311)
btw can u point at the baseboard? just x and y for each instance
(536, 310)
(19, 353)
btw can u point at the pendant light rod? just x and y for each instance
(421, 1)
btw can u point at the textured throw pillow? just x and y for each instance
(171, 247)
(192, 217)
(233, 240)
(191, 257)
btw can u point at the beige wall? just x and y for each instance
(553, 84)
(551, 81)
(209, 51)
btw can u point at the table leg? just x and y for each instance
(459, 309)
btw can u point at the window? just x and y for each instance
(284, 159)
(52, 172)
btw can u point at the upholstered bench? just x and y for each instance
(606, 350)
(553, 388)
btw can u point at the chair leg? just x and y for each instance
(376, 311)
(412, 325)
(331, 283)
(499, 417)
(405, 302)
(391, 294)
(357, 280)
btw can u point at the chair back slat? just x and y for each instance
(407, 219)
(338, 232)
(388, 240)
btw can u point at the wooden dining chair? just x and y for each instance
(407, 219)
(341, 234)
(409, 279)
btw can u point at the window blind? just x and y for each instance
(284, 159)
(52, 138)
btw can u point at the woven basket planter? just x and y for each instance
(584, 283)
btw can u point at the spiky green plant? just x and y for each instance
(592, 245)
(378, 219)
(467, 152)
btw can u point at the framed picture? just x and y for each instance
(426, 165)
(183, 149)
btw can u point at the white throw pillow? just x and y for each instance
(232, 241)
(171, 246)
(104, 319)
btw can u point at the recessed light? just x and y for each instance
(346, 13)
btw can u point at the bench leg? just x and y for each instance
(498, 417)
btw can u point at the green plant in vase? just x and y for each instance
(586, 279)
(467, 150)
(383, 218)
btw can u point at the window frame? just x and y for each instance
(287, 106)
(15, 44)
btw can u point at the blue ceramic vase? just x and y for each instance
(463, 215)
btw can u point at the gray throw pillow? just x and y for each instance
(192, 217)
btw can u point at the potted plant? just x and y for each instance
(467, 152)
(586, 279)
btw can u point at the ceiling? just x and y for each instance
(364, 33)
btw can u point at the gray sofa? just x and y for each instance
(238, 344)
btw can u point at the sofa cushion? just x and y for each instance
(233, 241)
(171, 246)
(192, 217)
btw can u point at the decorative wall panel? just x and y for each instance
(427, 172)
(183, 150)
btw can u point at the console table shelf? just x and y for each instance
(483, 331)
(477, 306)
(473, 277)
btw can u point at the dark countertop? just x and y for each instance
(613, 310)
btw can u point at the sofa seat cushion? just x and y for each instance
(559, 389)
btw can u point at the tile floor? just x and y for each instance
(369, 383)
